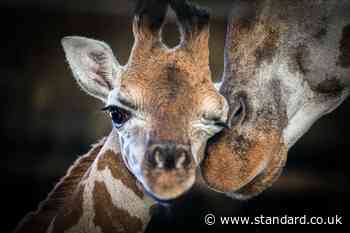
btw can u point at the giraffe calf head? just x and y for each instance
(162, 102)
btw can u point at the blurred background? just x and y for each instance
(47, 121)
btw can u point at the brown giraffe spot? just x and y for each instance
(117, 167)
(249, 46)
(71, 212)
(174, 84)
(279, 120)
(330, 86)
(323, 29)
(300, 56)
(298, 61)
(109, 217)
(267, 49)
(344, 48)
(321, 33)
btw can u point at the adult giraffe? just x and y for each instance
(287, 63)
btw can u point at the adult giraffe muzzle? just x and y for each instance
(162, 102)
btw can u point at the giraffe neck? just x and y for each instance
(106, 199)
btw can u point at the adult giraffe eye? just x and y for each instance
(119, 115)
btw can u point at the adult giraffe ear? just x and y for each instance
(93, 65)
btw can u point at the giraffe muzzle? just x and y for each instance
(168, 170)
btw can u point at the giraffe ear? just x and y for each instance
(93, 65)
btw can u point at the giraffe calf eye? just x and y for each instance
(119, 115)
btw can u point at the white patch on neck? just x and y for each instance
(86, 221)
(122, 196)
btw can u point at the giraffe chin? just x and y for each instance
(166, 186)
(243, 167)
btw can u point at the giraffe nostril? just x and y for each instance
(158, 159)
(181, 160)
(238, 114)
(155, 157)
(169, 157)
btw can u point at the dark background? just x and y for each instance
(46, 121)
